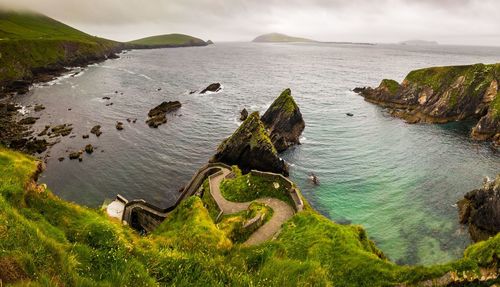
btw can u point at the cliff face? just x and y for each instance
(250, 148)
(444, 94)
(480, 209)
(284, 121)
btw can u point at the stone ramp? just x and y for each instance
(282, 210)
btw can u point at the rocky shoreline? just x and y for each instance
(445, 94)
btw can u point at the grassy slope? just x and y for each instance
(169, 40)
(48, 241)
(276, 37)
(30, 42)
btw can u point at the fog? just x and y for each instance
(467, 22)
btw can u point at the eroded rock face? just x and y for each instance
(480, 209)
(158, 115)
(250, 148)
(444, 94)
(284, 121)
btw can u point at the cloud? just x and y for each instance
(447, 21)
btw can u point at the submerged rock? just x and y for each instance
(62, 130)
(250, 148)
(480, 209)
(75, 155)
(28, 121)
(158, 115)
(214, 88)
(38, 108)
(119, 126)
(445, 94)
(243, 114)
(284, 121)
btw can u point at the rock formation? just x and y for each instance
(214, 88)
(444, 94)
(243, 114)
(284, 121)
(250, 148)
(158, 115)
(480, 209)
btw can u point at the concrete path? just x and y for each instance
(282, 210)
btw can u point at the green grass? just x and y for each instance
(47, 241)
(249, 187)
(232, 224)
(495, 106)
(169, 40)
(31, 42)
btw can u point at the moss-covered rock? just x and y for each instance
(444, 94)
(250, 148)
(284, 121)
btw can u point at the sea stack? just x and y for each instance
(284, 121)
(250, 148)
(480, 209)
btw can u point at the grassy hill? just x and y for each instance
(168, 40)
(45, 241)
(33, 44)
(277, 37)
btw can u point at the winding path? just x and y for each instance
(282, 210)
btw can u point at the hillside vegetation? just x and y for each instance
(169, 40)
(47, 241)
(277, 37)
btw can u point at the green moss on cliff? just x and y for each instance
(391, 85)
(284, 103)
(495, 106)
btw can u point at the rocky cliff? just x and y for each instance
(284, 121)
(480, 209)
(250, 148)
(444, 94)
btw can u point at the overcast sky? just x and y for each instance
(473, 22)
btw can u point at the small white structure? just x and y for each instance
(115, 209)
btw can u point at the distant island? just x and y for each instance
(419, 43)
(168, 41)
(279, 38)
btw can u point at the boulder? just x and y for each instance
(38, 108)
(480, 210)
(284, 121)
(61, 130)
(75, 155)
(243, 114)
(119, 126)
(158, 115)
(250, 148)
(96, 130)
(214, 88)
(89, 148)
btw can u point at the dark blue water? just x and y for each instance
(399, 181)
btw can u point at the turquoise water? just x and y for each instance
(399, 181)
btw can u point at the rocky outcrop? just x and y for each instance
(444, 94)
(243, 114)
(250, 148)
(480, 209)
(284, 121)
(214, 88)
(158, 115)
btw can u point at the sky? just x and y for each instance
(465, 22)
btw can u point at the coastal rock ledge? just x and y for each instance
(284, 121)
(445, 94)
(250, 148)
(480, 209)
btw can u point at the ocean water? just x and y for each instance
(399, 181)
